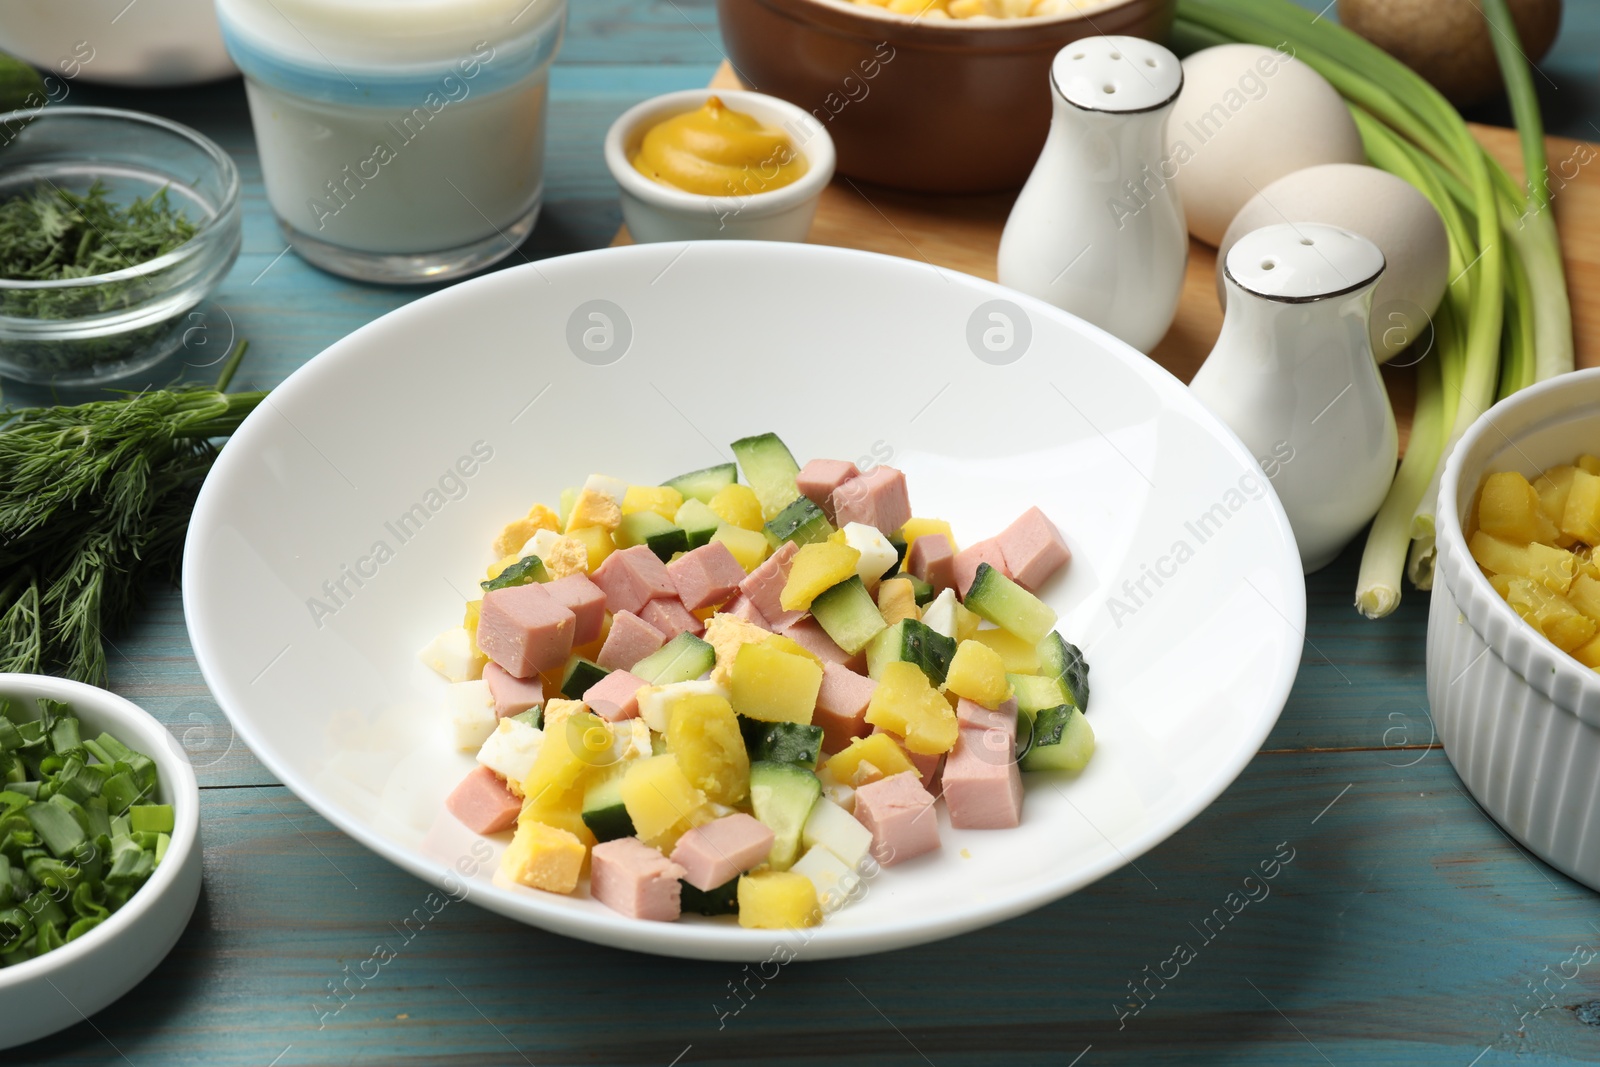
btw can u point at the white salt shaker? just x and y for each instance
(1098, 229)
(1293, 375)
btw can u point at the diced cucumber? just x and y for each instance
(603, 811)
(921, 590)
(848, 615)
(782, 742)
(1003, 602)
(651, 530)
(569, 497)
(1063, 659)
(697, 521)
(533, 717)
(899, 547)
(704, 484)
(1063, 740)
(682, 659)
(723, 900)
(801, 522)
(913, 642)
(781, 795)
(1036, 692)
(525, 571)
(579, 675)
(769, 469)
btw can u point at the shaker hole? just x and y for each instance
(1307, 241)
(1078, 55)
(1116, 55)
(1110, 88)
(1267, 264)
(1149, 62)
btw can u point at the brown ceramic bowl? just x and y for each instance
(934, 106)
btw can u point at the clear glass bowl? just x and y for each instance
(86, 331)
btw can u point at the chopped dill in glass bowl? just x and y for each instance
(113, 224)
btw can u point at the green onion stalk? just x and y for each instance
(1505, 320)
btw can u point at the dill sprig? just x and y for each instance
(54, 233)
(95, 501)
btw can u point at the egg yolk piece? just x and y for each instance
(717, 151)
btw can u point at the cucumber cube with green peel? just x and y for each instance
(998, 599)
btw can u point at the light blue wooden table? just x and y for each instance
(1407, 929)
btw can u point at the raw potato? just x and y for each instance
(1447, 41)
(1386, 210)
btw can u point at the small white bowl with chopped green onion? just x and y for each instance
(99, 868)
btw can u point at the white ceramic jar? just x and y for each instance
(1098, 229)
(1293, 375)
(399, 142)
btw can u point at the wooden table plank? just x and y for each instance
(1406, 931)
(1404, 928)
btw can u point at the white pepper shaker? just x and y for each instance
(1098, 229)
(1293, 375)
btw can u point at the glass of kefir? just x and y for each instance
(400, 140)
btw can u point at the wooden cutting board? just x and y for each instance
(963, 233)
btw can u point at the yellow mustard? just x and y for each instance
(717, 151)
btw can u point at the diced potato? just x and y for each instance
(774, 686)
(573, 745)
(915, 528)
(1553, 486)
(785, 643)
(967, 623)
(469, 619)
(1552, 567)
(659, 797)
(596, 540)
(897, 601)
(594, 508)
(1581, 517)
(544, 857)
(516, 534)
(777, 900)
(703, 734)
(738, 505)
(1018, 655)
(1585, 596)
(749, 547)
(564, 811)
(499, 565)
(978, 673)
(815, 569)
(726, 633)
(881, 751)
(661, 499)
(1551, 614)
(1588, 463)
(906, 704)
(1508, 508)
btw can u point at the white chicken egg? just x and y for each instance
(1381, 207)
(1247, 116)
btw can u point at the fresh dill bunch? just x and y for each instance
(94, 501)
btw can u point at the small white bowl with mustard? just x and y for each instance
(719, 165)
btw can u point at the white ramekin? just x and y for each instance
(656, 212)
(64, 987)
(1519, 718)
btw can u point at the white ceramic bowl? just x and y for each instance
(1519, 718)
(643, 362)
(64, 987)
(656, 212)
(170, 42)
